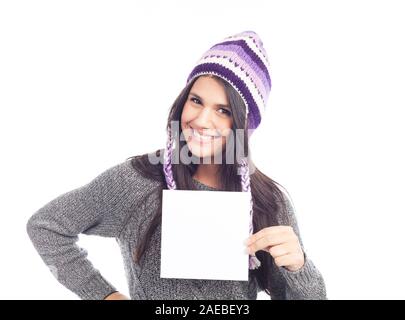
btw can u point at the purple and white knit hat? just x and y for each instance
(242, 61)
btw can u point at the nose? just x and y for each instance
(204, 119)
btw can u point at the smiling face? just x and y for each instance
(206, 119)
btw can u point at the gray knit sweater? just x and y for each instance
(111, 206)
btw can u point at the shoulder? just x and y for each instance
(126, 174)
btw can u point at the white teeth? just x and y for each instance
(202, 137)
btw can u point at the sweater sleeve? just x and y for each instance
(306, 283)
(98, 207)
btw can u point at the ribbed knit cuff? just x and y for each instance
(97, 288)
(303, 277)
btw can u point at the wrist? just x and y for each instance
(116, 296)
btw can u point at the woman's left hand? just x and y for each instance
(281, 242)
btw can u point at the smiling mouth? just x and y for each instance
(202, 138)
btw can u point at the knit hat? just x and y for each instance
(242, 61)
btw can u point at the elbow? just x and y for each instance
(33, 228)
(30, 227)
(38, 233)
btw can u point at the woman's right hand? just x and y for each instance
(116, 296)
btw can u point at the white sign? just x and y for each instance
(203, 233)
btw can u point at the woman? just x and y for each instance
(216, 113)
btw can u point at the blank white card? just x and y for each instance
(203, 233)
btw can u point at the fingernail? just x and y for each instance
(246, 250)
(246, 241)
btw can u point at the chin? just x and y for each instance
(204, 152)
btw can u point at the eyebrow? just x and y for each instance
(218, 104)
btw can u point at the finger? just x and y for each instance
(267, 241)
(273, 230)
(284, 260)
(280, 250)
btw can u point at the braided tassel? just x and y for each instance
(167, 166)
(254, 263)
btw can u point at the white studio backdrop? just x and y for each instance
(86, 84)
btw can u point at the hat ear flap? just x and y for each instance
(167, 166)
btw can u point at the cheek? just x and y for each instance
(183, 118)
(226, 133)
(186, 114)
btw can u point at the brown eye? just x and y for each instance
(195, 99)
(227, 112)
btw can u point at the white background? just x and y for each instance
(86, 84)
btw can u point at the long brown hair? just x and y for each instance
(268, 201)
